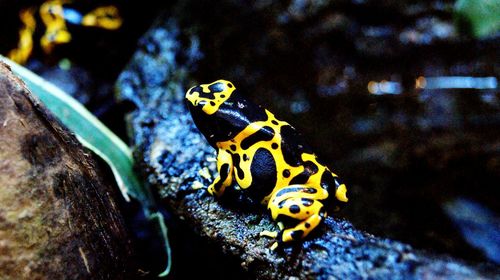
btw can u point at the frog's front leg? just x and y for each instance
(225, 177)
(297, 202)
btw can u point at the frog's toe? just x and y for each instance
(267, 233)
(211, 190)
(198, 185)
(281, 226)
(272, 234)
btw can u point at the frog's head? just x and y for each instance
(207, 98)
(209, 108)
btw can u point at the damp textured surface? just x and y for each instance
(170, 152)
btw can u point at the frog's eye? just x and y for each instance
(216, 87)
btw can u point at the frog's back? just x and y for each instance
(268, 155)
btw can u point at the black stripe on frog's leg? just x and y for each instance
(306, 202)
(224, 172)
(264, 174)
(295, 189)
(331, 183)
(236, 164)
(266, 133)
(297, 234)
(310, 168)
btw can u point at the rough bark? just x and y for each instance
(58, 217)
(171, 152)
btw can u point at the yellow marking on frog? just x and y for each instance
(52, 14)
(25, 44)
(107, 17)
(341, 193)
(56, 32)
(267, 233)
(55, 35)
(52, 11)
(281, 225)
(210, 105)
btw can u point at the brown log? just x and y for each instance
(58, 216)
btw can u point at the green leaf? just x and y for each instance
(481, 17)
(94, 135)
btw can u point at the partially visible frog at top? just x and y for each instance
(267, 158)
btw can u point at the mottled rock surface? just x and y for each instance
(170, 152)
(345, 75)
(58, 216)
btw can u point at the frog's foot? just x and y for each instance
(302, 229)
(271, 234)
(299, 204)
(205, 174)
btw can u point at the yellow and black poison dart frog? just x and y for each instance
(55, 15)
(266, 157)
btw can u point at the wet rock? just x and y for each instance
(479, 226)
(343, 73)
(170, 152)
(58, 216)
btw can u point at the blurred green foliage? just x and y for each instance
(481, 18)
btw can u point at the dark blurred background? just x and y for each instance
(400, 98)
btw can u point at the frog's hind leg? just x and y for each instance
(298, 203)
(309, 213)
(302, 229)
